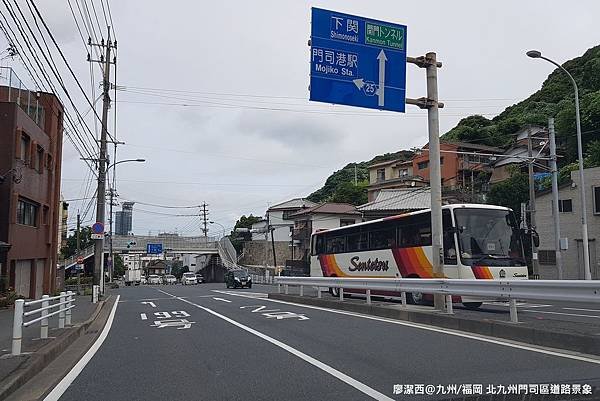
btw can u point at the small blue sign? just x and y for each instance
(154, 248)
(98, 228)
(357, 61)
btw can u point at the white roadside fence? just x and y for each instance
(508, 290)
(62, 305)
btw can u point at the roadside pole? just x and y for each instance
(78, 253)
(435, 174)
(534, 256)
(101, 201)
(430, 63)
(552, 138)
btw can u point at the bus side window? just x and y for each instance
(357, 242)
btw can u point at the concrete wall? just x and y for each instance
(570, 227)
(254, 253)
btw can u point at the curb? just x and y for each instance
(509, 331)
(45, 355)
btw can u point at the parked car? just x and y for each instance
(170, 279)
(188, 278)
(199, 278)
(143, 280)
(154, 279)
(238, 278)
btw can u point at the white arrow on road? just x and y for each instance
(381, 92)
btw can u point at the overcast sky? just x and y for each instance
(240, 134)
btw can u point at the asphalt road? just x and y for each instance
(238, 345)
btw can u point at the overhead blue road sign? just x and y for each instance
(357, 61)
(154, 248)
(98, 228)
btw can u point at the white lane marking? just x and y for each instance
(519, 304)
(158, 299)
(152, 304)
(315, 362)
(561, 313)
(247, 293)
(445, 331)
(143, 316)
(584, 310)
(221, 299)
(61, 387)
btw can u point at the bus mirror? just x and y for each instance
(536, 238)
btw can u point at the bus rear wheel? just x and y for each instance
(472, 305)
(415, 298)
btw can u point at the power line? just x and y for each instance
(66, 62)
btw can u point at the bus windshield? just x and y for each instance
(488, 236)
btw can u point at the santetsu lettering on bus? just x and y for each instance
(357, 61)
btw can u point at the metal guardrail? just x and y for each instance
(511, 290)
(260, 279)
(65, 302)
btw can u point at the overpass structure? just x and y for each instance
(138, 244)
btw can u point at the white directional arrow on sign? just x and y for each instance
(359, 83)
(381, 92)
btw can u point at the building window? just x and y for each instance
(565, 205)
(423, 165)
(346, 222)
(27, 213)
(403, 172)
(380, 174)
(547, 257)
(40, 159)
(49, 162)
(596, 191)
(25, 154)
(441, 161)
(287, 213)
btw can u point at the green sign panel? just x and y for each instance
(383, 35)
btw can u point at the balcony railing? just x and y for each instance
(13, 90)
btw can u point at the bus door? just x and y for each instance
(450, 246)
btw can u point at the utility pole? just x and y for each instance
(355, 176)
(78, 252)
(101, 201)
(532, 226)
(435, 173)
(110, 239)
(205, 220)
(555, 211)
(431, 103)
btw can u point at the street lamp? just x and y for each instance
(586, 249)
(222, 227)
(110, 220)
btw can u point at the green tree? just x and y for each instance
(177, 269)
(85, 238)
(119, 269)
(347, 192)
(592, 154)
(511, 192)
(237, 238)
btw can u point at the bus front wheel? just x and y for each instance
(472, 305)
(335, 292)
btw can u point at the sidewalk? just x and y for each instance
(31, 341)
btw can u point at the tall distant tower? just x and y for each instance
(124, 219)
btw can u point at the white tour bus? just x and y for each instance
(479, 241)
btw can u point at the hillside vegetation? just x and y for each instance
(554, 99)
